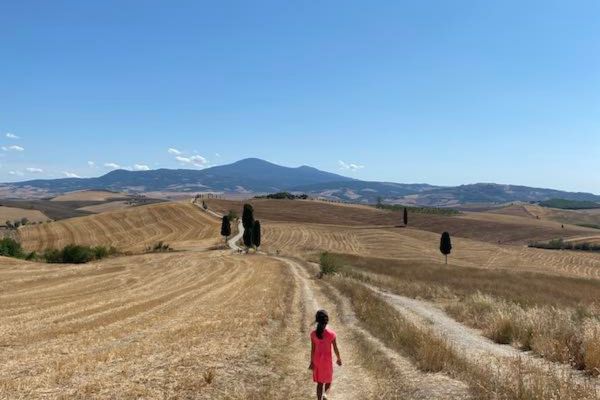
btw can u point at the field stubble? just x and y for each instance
(195, 325)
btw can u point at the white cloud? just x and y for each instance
(91, 164)
(71, 174)
(12, 148)
(17, 173)
(196, 160)
(112, 165)
(34, 170)
(141, 167)
(350, 166)
(173, 151)
(217, 155)
(12, 136)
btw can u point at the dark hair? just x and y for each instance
(321, 319)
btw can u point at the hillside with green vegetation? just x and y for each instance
(283, 196)
(570, 204)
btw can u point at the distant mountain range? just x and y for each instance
(254, 176)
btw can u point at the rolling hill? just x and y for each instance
(253, 176)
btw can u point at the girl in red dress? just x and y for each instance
(321, 362)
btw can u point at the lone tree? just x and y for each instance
(445, 245)
(256, 234)
(225, 227)
(405, 217)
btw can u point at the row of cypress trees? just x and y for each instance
(251, 227)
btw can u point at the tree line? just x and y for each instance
(252, 230)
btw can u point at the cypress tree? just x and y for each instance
(445, 245)
(225, 227)
(248, 217)
(405, 216)
(247, 237)
(256, 234)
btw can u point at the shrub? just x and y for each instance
(100, 252)
(330, 263)
(52, 256)
(560, 244)
(9, 247)
(77, 254)
(159, 247)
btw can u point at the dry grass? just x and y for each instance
(188, 325)
(555, 317)
(520, 382)
(566, 335)
(430, 280)
(385, 323)
(181, 225)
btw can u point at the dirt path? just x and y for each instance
(470, 343)
(233, 241)
(352, 380)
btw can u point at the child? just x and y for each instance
(321, 362)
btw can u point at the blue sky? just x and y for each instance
(443, 92)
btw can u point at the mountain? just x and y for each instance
(248, 175)
(253, 175)
(496, 193)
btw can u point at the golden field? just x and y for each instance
(205, 322)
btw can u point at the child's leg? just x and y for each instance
(319, 391)
(327, 386)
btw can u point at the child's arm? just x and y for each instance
(312, 352)
(337, 352)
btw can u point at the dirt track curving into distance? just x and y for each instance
(471, 344)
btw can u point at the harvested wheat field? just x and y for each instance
(589, 217)
(89, 195)
(193, 325)
(151, 326)
(179, 224)
(310, 211)
(488, 227)
(106, 207)
(16, 214)
(411, 244)
(202, 323)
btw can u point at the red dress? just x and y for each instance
(322, 360)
